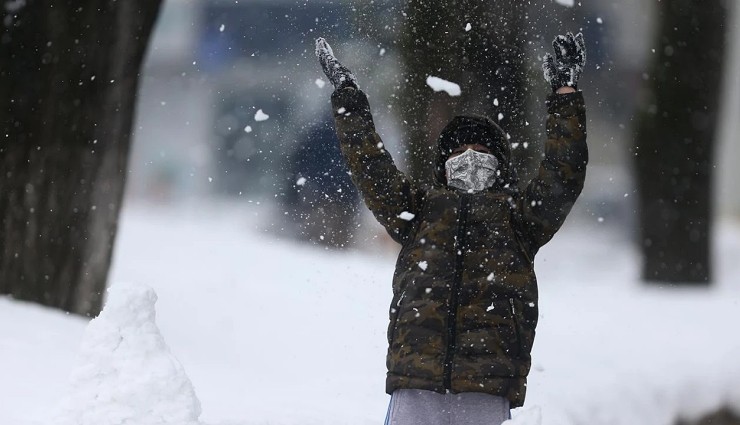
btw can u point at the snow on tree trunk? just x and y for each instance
(127, 374)
(67, 89)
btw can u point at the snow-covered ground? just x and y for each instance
(270, 332)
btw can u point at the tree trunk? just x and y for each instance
(488, 62)
(67, 86)
(674, 143)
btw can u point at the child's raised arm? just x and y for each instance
(549, 197)
(387, 192)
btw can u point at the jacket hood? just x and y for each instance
(472, 129)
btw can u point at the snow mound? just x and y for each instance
(127, 374)
(438, 84)
(526, 416)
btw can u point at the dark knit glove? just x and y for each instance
(566, 67)
(339, 76)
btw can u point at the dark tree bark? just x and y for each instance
(68, 78)
(674, 142)
(488, 62)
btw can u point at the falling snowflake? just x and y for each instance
(261, 116)
(406, 216)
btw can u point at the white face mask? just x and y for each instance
(471, 171)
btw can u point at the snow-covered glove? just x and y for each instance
(338, 74)
(566, 67)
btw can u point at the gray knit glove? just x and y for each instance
(339, 76)
(570, 57)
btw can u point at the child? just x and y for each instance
(464, 308)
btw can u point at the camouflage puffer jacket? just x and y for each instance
(464, 306)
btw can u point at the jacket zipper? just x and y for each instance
(516, 322)
(462, 217)
(518, 238)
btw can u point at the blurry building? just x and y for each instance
(320, 200)
(211, 67)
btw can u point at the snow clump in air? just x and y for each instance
(261, 116)
(567, 3)
(320, 83)
(406, 216)
(126, 373)
(438, 84)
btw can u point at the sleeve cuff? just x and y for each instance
(350, 101)
(561, 103)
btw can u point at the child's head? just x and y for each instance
(474, 146)
(479, 134)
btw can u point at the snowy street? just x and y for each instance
(275, 333)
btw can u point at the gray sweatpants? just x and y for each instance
(421, 407)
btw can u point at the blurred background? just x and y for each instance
(212, 65)
(196, 104)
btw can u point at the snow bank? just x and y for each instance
(309, 327)
(526, 416)
(127, 374)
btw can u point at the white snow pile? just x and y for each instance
(438, 84)
(526, 416)
(127, 374)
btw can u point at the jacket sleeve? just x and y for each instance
(393, 199)
(549, 197)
